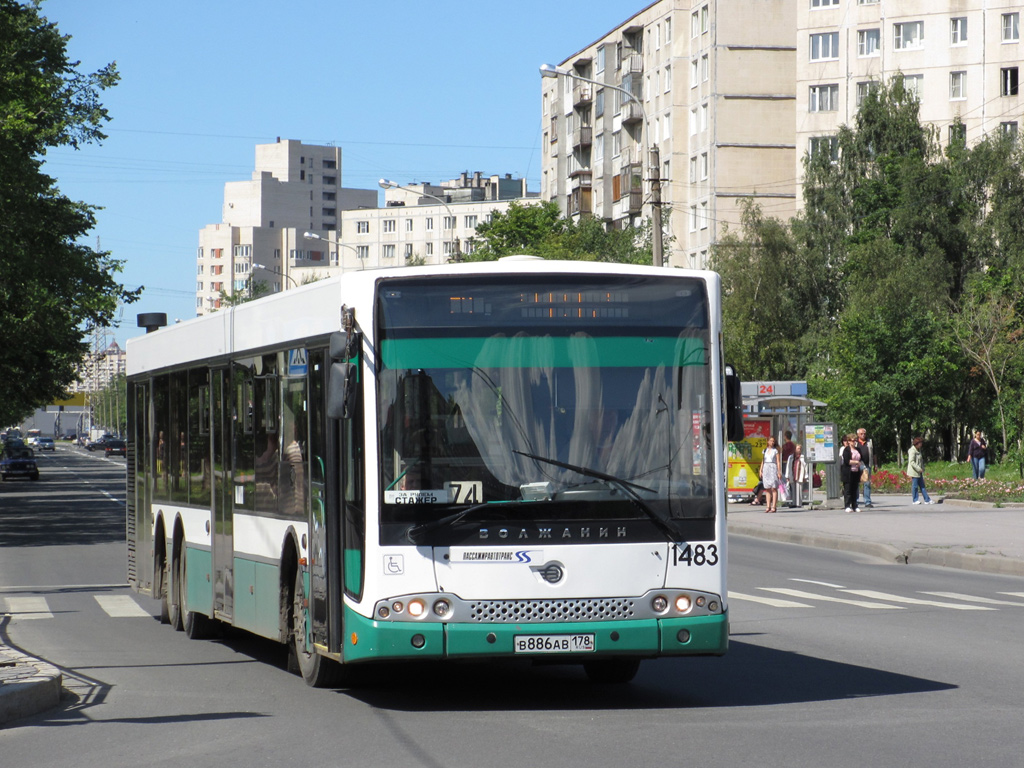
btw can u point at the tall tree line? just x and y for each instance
(898, 291)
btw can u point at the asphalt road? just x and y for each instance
(835, 660)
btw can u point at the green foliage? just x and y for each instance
(538, 229)
(901, 284)
(53, 290)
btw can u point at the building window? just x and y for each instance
(389, 225)
(694, 24)
(824, 144)
(448, 222)
(867, 2)
(823, 98)
(912, 84)
(704, 215)
(867, 42)
(408, 225)
(957, 86)
(362, 251)
(908, 35)
(389, 251)
(705, 68)
(825, 46)
(599, 64)
(693, 169)
(362, 227)
(694, 73)
(704, 20)
(703, 165)
(668, 78)
(824, 3)
(1008, 129)
(693, 218)
(693, 121)
(1008, 81)
(958, 31)
(469, 222)
(408, 251)
(1011, 27)
(863, 89)
(599, 103)
(668, 30)
(429, 249)
(703, 117)
(958, 133)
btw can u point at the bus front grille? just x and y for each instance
(511, 611)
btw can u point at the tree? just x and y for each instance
(53, 290)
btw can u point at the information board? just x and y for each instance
(745, 455)
(820, 444)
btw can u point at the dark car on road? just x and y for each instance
(115, 448)
(18, 460)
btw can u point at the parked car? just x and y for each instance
(115, 448)
(45, 444)
(17, 460)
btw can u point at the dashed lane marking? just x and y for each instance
(772, 601)
(829, 599)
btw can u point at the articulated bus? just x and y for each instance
(514, 459)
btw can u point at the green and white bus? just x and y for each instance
(521, 458)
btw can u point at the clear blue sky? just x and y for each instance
(410, 91)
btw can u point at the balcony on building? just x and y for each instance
(632, 112)
(580, 200)
(583, 136)
(582, 94)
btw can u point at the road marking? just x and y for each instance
(914, 601)
(973, 598)
(28, 608)
(120, 606)
(1013, 594)
(775, 603)
(812, 596)
(820, 583)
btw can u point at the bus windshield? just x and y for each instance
(540, 400)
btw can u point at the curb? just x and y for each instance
(981, 562)
(28, 686)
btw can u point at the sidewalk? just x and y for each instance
(956, 534)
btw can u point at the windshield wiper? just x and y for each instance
(415, 533)
(624, 485)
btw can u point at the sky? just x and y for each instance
(419, 92)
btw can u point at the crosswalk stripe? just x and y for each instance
(120, 606)
(973, 598)
(829, 599)
(774, 602)
(23, 608)
(914, 601)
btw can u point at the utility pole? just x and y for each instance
(657, 246)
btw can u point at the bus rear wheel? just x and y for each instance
(316, 670)
(614, 671)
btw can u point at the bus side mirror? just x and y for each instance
(733, 407)
(342, 386)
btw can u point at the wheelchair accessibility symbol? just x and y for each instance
(394, 565)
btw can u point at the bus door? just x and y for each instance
(140, 491)
(223, 545)
(323, 558)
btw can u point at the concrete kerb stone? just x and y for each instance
(28, 686)
(885, 552)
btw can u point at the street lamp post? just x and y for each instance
(650, 154)
(388, 184)
(276, 271)
(315, 236)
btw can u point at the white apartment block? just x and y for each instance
(715, 85)
(296, 189)
(962, 58)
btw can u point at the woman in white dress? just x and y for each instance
(771, 473)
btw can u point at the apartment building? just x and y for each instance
(961, 58)
(711, 85)
(296, 189)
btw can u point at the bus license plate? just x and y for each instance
(583, 643)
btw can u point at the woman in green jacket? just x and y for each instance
(915, 471)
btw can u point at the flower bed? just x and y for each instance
(995, 491)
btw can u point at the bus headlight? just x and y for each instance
(416, 608)
(683, 603)
(442, 608)
(659, 604)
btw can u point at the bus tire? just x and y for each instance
(612, 671)
(197, 626)
(316, 670)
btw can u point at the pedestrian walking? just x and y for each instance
(771, 473)
(978, 451)
(915, 471)
(867, 453)
(849, 470)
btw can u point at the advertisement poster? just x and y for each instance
(745, 456)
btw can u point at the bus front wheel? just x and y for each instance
(316, 670)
